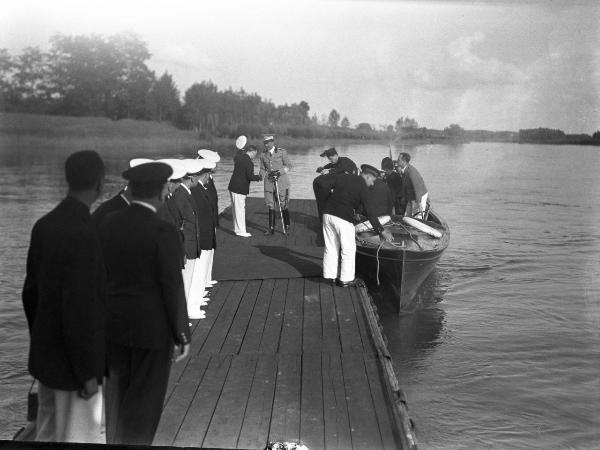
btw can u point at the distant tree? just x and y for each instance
(364, 127)
(201, 106)
(404, 123)
(165, 98)
(334, 118)
(7, 67)
(596, 138)
(345, 123)
(454, 130)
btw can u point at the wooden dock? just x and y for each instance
(284, 356)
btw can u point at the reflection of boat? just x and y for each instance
(404, 264)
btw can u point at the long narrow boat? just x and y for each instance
(404, 264)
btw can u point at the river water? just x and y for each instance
(504, 351)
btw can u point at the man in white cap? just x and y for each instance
(211, 156)
(206, 231)
(181, 212)
(274, 167)
(239, 187)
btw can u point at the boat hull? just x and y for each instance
(400, 270)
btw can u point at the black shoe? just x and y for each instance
(345, 284)
(330, 280)
(271, 229)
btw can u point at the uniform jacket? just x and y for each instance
(350, 192)
(276, 161)
(181, 210)
(243, 174)
(214, 198)
(394, 182)
(343, 164)
(413, 186)
(146, 306)
(109, 206)
(205, 211)
(64, 298)
(379, 198)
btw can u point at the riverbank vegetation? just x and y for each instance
(97, 76)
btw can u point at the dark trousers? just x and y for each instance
(135, 392)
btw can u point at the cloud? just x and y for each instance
(459, 67)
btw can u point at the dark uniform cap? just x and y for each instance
(370, 170)
(148, 172)
(329, 152)
(387, 163)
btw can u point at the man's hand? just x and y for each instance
(387, 235)
(183, 351)
(90, 388)
(319, 169)
(325, 171)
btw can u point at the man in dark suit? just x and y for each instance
(146, 308)
(394, 181)
(211, 157)
(205, 213)
(414, 191)
(116, 203)
(239, 187)
(64, 301)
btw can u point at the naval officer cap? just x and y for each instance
(369, 170)
(178, 166)
(137, 161)
(149, 172)
(329, 152)
(268, 138)
(209, 155)
(194, 166)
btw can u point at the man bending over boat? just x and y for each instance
(349, 192)
(337, 165)
(414, 192)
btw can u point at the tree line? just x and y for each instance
(108, 76)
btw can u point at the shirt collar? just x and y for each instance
(125, 198)
(144, 204)
(186, 188)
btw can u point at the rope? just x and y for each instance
(377, 256)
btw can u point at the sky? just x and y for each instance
(496, 65)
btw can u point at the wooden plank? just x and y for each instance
(178, 403)
(226, 423)
(198, 417)
(220, 328)
(312, 335)
(291, 331)
(312, 427)
(255, 428)
(251, 342)
(285, 420)
(329, 318)
(383, 411)
(269, 342)
(363, 422)
(348, 326)
(240, 323)
(336, 419)
(365, 333)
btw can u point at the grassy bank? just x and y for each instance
(99, 133)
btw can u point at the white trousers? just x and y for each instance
(188, 274)
(63, 416)
(200, 277)
(339, 238)
(211, 259)
(238, 211)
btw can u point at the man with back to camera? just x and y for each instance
(146, 307)
(394, 181)
(349, 192)
(414, 192)
(239, 187)
(274, 167)
(64, 300)
(337, 165)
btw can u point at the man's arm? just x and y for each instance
(250, 171)
(30, 288)
(263, 166)
(171, 283)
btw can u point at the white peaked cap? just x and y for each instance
(179, 168)
(137, 161)
(241, 142)
(193, 166)
(209, 155)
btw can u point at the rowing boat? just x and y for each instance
(404, 264)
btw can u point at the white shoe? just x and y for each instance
(203, 302)
(212, 282)
(206, 294)
(197, 314)
(243, 234)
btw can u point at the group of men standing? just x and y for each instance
(108, 296)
